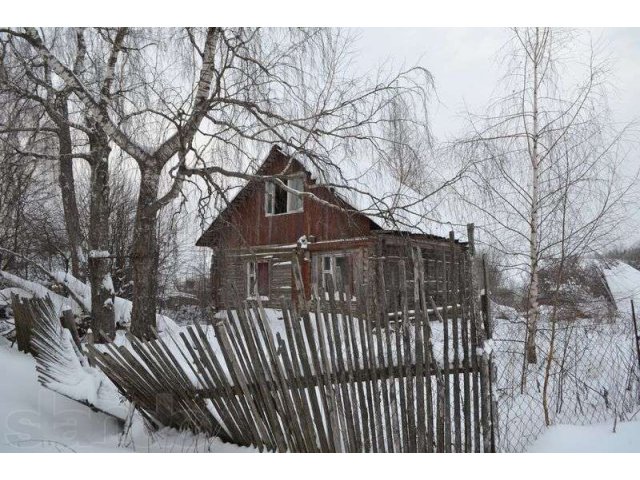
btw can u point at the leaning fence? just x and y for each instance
(324, 378)
(389, 374)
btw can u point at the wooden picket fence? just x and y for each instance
(324, 378)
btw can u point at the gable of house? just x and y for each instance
(264, 214)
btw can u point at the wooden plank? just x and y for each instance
(262, 373)
(302, 441)
(329, 392)
(399, 348)
(299, 357)
(222, 375)
(466, 362)
(357, 392)
(363, 327)
(239, 405)
(453, 298)
(373, 364)
(381, 321)
(428, 360)
(192, 405)
(304, 413)
(239, 379)
(486, 366)
(225, 408)
(421, 427)
(445, 354)
(471, 308)
(393, 397)
(440, 393)
(341, 376)
(407, 361)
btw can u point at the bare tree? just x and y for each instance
(78, 136)
(29, 82)
(548, 141)
(238, 89)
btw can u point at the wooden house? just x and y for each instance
(331, 228)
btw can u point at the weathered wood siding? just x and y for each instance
(244, 231)
(245, 223)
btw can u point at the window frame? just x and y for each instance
(333, 269)
(270, 196)
(254, 293)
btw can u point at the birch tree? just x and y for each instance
(77, 136)
(549, 139)
(200, 103)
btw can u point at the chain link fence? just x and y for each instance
(590, 376)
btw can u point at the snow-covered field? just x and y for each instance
(589, 439)
(35, 419)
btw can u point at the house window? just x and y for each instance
(258, 279)
(279, 201)
(339, 267)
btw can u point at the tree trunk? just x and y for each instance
(68, 190)
(102, 294)
(533, 310)
(145, 256)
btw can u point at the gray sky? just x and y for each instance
(466, 66)
(465, 63)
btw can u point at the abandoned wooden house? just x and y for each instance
(331, 230)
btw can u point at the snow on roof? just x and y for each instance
(370, 187)
(624, 283)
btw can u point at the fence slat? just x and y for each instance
(428, 361)
(406, 360)
(419, 353)
(453, 299)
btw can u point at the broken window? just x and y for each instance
(278, 200)
(339, 267)
(258, 279)
(294, 202)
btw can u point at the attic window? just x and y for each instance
(279, 201)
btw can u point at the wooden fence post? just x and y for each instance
(486, 307)
(69, 323)
(23, 323)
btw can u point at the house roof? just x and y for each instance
(368, 188)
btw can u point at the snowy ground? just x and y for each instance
(589, 439)
(35, 419)
(594, 358)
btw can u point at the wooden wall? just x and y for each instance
(230, 277)
(245, 223)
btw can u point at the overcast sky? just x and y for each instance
(465, 63)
